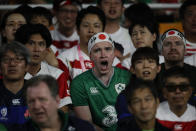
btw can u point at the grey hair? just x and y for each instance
(16, 48)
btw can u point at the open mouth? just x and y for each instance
(35, 56)
(112, 12)
(146, 73)
(104, 65)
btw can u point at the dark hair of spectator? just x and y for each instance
(175, 71)
(90, 10)
(17, 48)
(135, 84)
(145, 53)
(41, 11)
(184, 6)
(26, 10)
(24, 33)
(119, 47)
(139, 11)
(47, 79)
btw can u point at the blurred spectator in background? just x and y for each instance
(10, 22)
(113, 10)
(41, 15)
(64, 34)
(138, 12)
(187, 13)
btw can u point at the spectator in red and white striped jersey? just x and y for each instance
(188, 17)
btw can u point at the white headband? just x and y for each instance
(173, 32)
(99, 37)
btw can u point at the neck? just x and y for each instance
(190, 36)
(149, 125)
(112, 26)
(66, 31)
(33, 69)
(178, 110)
(104, 78)
(52, 125)
(84, 48)
(13, 85)
(171, 64)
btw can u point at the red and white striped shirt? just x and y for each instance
(186, 122)
(64, 92)
(61, 43)
(190, 48)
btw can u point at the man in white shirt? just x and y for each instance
(113, 10)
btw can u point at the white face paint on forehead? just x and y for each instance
(99, 37)
(173, 33)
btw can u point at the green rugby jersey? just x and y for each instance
(87, 90)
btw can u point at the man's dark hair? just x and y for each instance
(151, 26)
(47, 79)
(26, 10)
(136, 83)
(175, 71)
(24, 33)
(41, 11)
(17, 48)
(90, 10)
(139, 11)
(119, 47)
(184, 6)
(145, 53)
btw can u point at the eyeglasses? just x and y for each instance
(182, 87)
(7, 60)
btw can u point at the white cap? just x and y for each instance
(99, 37)
(172, 32)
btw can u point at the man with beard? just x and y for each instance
(14, 59)
(175, 113)
(94, 92)
(173, 50)
(113, 10)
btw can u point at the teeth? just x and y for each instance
(146, 72)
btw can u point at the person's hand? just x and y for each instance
(50, 58)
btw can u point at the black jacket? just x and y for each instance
(131, 125)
